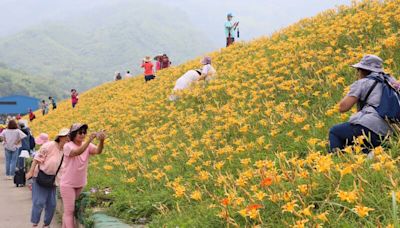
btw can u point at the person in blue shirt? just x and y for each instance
(230, 28)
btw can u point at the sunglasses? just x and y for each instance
(82, 132)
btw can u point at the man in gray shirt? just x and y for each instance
(366, 93)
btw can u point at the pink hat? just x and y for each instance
(42, 139)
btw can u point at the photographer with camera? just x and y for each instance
(74, 172)
(230, 28)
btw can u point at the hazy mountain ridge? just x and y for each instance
(14, 82)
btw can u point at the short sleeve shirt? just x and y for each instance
(11, 137)
(49, 158)
(229, 29)
(74, 169)
(368, 117)
(148, 68)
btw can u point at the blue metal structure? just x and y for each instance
(14, 105)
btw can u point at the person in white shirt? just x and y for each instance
(128, 74)
(207, 73)
(12, 141)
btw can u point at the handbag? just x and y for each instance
(46, 180)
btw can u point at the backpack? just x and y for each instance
(389, 107)
(32, 143)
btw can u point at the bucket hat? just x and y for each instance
(78, 126)
(370, 62)
(42, 139)
(147, 59)
(206, 60)
(62, 132)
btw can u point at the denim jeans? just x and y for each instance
(20, 161)
(11, 161)
(343, 134)
(43, 198)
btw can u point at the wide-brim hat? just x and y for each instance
(370, 62)
(157, 56)
(78, 126)
(147, 59)
(63, 132)
(42, 139)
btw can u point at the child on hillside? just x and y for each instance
(148, 69)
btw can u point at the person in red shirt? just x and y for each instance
(74, 97)
(31, 115)
(148, 69)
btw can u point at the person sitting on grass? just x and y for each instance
(366, 94)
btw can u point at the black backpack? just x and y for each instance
(32, 143)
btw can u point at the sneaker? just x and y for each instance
(9, 178)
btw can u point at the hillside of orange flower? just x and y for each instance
(249, 148)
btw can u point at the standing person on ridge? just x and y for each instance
(45, 107)
(74, 97)
(117, 76)
(158, 60)
(74, 171)
(53, 102)
(128, 74)
(165, 63)
(230, 28)
(148, 69)
(366, 93)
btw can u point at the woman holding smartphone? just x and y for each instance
(74, 171)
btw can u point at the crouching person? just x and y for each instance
(47, 162)
(366, 93)
(207, 73)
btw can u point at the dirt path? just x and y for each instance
(15, 203)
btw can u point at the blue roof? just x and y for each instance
(18, 104)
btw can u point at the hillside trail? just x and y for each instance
(16, 203)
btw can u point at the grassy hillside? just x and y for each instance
(86, 50)
(249, 148)
(13, 82)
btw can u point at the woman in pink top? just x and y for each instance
(74, 171)
(48, 159)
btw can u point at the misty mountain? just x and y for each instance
(85, 51)
(13, 82)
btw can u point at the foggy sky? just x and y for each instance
(257, 17)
